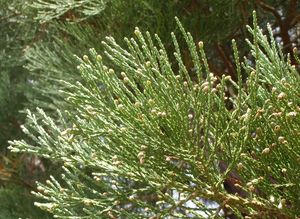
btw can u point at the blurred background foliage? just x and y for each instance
(38, 40)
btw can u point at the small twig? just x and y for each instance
(295, 20)
(226, 60)
(292, 11)
(9, 16)
(271, 9)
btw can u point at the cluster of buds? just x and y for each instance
(292, 114)
(259, 113)
(282, 140)
(137, 104)
(185, 83)
(252, 183)
(266, 151)
(240, 166)
(142, 154)
(195, 87)
(88, 202)
(120, 106)
(111, 71)
(137, 32)
(277, 128)
(281, 96)
(161, 114)
(85, 58)
(272, 146)
(148, 64)
(99, 58)
(205, 86)
(276, 114)
(91, 110)
(97, 178)
(125, 78)
(116, 161)
(284, 170)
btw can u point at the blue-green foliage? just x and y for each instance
(143, 132)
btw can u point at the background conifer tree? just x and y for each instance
(16, 171)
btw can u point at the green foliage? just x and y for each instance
(17, 31)
(48, 10)
(148, 140)
(43, 35)
(11, 72)
(70, 27)
(15, 202)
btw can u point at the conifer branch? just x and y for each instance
(146, 141)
